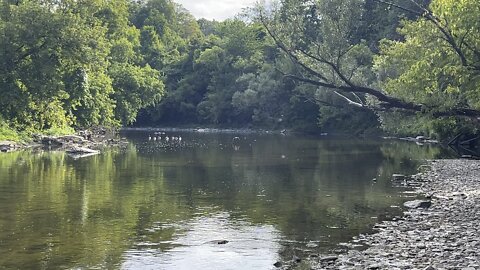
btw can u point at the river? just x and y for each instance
(207, 201)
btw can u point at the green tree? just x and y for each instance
(438, 63)
(135, 88)
(322, 40)
(62, 62)
(43, 50)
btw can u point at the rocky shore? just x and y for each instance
(82, 144)
(440, 232)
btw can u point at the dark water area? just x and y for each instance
(162, 204)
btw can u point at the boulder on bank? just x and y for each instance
(77, 146)
(418, 204)
(8, 146)
(398, 177)
(72, 138)
(62, 140)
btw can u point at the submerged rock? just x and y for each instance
(218, 242)
(222, 242)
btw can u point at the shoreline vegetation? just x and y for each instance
(89, 142)
(362, 67)
(440, 231)
(79, 144)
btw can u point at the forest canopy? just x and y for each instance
(351, 66)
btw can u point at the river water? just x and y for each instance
(168, 205)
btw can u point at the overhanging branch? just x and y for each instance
(386, 102)
(350, 102)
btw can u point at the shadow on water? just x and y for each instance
(168, 204)
(466, 146)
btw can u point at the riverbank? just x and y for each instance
(82, 144)
(210, 130)
(445, 235)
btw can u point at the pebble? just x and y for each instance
(444, 235)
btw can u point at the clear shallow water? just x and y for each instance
(165, 205)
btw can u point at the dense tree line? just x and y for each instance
(425, 80)
(324, 65)
(72, 63)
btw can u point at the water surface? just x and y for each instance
(166, 205)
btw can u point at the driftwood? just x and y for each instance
(80, 152)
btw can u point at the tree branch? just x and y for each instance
(386, 101)
(350, 102)
(399, 7)
(30, 52)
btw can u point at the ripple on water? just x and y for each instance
(249, 246)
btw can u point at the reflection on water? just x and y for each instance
(166, 205)
(248, 246)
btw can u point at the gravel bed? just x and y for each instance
(443, 235)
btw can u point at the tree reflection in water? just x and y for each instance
(272, 198)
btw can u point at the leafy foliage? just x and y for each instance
(60, 64)
(435, 68)
(229, 77)
(85, 63)
(430, 68)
